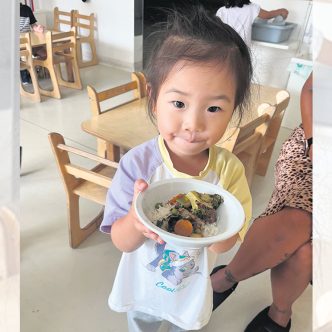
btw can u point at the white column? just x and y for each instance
(9, 167)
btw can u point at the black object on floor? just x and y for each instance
(25, 77)
(264, 323)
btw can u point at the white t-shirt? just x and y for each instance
(163, 280)
(240, 19)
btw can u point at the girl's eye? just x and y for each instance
(178, 104)
(214, 109)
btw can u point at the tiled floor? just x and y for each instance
(66, 290)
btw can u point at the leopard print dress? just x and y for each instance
(293, 177)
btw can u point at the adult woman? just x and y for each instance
(280, 238)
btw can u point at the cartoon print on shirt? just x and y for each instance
(174, 266)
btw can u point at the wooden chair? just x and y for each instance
(282, 101)
(137, 86)
(26, 64)
(61, 19)
(61, 49)
(85, 29)
(79, 181)
(246, 141)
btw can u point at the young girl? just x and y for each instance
(199, 73)
(240, 15)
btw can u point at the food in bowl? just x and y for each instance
(192, 214)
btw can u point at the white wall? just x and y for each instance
(9, 106)
(114, 27)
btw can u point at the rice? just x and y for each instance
(162, 212)
(210, 229)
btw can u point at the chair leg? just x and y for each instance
(55, 93)
(34, 81)
(94, 58)
(35, 95)
(263, 162)
(77, 234)
(79, 53)
(107, 150)
(74, 78)
(21, 151)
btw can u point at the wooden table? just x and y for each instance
(38, 38)
(125, 126)
(128, 125)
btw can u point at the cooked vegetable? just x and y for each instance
(183, 227)
(192, 214)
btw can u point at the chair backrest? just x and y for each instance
(61, 43)
(282, 101)
(84, 24)
(246, 141)
(25, 51)
(26, 63)
(61, 19)
(244, 135)
(137, 86)
(89, 183)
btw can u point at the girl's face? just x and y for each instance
(194, 107)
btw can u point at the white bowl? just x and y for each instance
(230, 214)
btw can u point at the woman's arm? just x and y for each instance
(267, 14)
(128, 233)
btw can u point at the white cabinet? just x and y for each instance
(299, 69)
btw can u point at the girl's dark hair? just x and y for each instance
(234, 3)
(198, 37)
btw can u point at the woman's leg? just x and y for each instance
(288, 281)
(270, 241)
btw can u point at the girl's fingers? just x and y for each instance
(153, 236)
(140, 185)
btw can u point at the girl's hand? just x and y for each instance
(141, 185)
(38, 28)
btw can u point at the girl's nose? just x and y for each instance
(193, 121)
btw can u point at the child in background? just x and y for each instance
(28, 22)
(199, 73)
(240, 15)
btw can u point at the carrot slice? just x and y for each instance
(183, 227)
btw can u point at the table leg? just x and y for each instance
(113, 152)
(108, 151)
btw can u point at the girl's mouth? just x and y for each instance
(190, 137)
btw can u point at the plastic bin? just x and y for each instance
(271, 33)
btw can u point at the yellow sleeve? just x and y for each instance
(233, 179)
